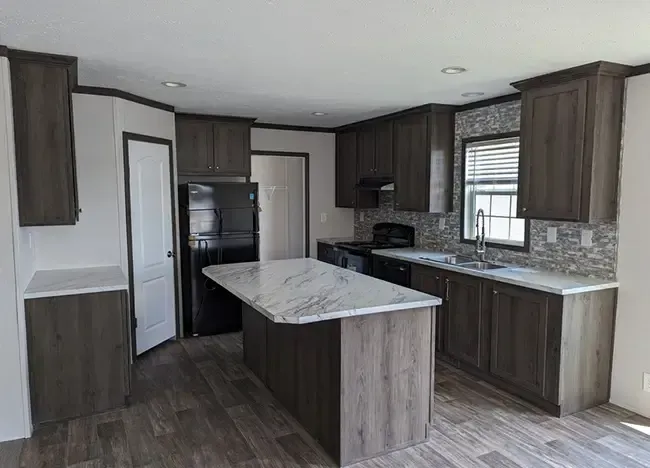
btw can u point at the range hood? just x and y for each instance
(376, 183)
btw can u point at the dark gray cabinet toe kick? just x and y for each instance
(553, 351)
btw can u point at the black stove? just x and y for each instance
(355, 255)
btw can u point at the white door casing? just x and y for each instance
(152, 239)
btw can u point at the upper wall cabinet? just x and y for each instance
(347, 195)
(423, 148)
(208, 145)
(570, 143)
(45, 164)
(375, 149)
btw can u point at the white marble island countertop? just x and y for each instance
(305, 290)
(547, 281)
(52, 283)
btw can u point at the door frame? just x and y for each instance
(126, 137)
(294, 154)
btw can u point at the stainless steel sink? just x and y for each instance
(481, 266)
(450, 259)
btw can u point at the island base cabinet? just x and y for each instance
(361, 386)
(78, 355)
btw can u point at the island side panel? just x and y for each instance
(254, 327)
(385, 382)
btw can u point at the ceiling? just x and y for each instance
(281, 60)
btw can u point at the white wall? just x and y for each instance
(14, 406)
(632, 339)
(321, 147)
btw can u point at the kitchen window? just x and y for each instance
(490, 181)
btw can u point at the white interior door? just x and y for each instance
(281, 182)
(151, 231)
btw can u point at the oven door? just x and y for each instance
(353, 261)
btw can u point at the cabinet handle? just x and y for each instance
(402, 268)
(524, 209)
(495, 292)
(438, 278)
(446, 289)
(209, 167)
(217, 167)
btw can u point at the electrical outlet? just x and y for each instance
(362, 216)
(441, 223)
(646, 381)
(586, 238)
(323, 217)
(551, 234)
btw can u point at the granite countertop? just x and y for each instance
(305, 290)
(533, 278)
(334, 240)
(51, 283)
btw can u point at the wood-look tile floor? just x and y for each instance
(194, 404)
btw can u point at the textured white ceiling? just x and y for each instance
(280, 60)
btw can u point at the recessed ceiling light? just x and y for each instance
(319, 114)
(173, 84)
(453, 70)
(472, 94)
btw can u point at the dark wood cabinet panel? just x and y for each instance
(423, 147)
(45, 163)
(552, 154)
(194, 140)
(232, 148)
(519, 326)
(326, 253)
(366, 151)
(571, 124)
(78, 354)
(347, 196)
(254, 328)
(384, 149)
(281, 349)
(430, 281)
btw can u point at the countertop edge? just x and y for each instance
(334, 240)
(513, 281)
(73, 292)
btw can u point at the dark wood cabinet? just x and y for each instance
(391, 270)
(423, 151)
(375, 150)
(254, 328)
(430, 281)
(326, 253)
(194, 140)
(366, 151)
(78, 354)
(43, 130)
(520, 319)
(571, 125)
(215, 146)
(347, 195)
(467, 319)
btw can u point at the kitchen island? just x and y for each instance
(350, 356)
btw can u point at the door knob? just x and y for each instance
(170, 254)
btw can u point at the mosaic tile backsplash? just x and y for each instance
(565, 255)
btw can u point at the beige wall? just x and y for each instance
(632, 336)
(14, 403)
(321, 147)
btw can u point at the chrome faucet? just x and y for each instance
(480, 239)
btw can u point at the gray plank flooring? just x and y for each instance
(194, 404)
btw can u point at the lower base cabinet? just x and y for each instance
(554, 351)
(78, 354)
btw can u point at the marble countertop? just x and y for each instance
(305, 290)
(334, 240)
(51, 283)
(533, 278)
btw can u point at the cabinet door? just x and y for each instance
(519, 324)
(429, 280)
(366, 151)
(77, 354)
(551, 159)
(346, 169)
(45, 166)
(465, 318)
(411, 164)
(326, 253)
(232, 148)
(384, 149)
(194, 152)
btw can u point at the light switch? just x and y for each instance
(586, 238)
(441, 223)
(323, 217)
(362, 216)
(551, 234)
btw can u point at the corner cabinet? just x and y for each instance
(41, 88)
(219, 146)
(571, 123)
(347, 195)
(423, 148)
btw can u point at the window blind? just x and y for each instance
(492, 162)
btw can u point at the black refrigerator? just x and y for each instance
(219, 224)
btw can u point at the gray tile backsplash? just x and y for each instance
(565, 255)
